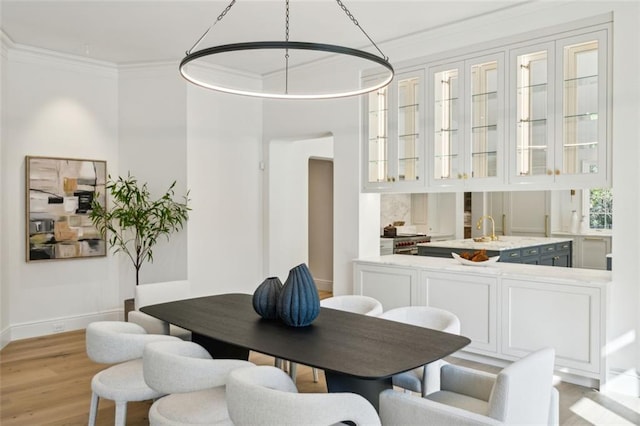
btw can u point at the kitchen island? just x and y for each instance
(513, 249)
(507, 309)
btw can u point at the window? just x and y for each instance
(600, 208)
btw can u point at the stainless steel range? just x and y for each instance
(407, 243)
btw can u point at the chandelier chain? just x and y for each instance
(218, 19)
(357, 24)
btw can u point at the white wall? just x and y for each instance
(223, 173)
(59, 107)
(152, 119)
(4, 289)
(288, 169)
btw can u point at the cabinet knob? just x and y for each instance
(549, 172)
(393, 179)
(459, 176)
(464, 176)
(557, 172)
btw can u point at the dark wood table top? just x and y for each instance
(357, 345)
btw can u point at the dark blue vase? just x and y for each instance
(265, 298)
(299, 302)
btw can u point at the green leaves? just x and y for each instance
(135, 222)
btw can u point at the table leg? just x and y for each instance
(369, 389)
(219, 349)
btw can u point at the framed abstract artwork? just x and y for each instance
(59, 193)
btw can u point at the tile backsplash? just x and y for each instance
(395, 207)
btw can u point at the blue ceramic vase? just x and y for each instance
(299, 302)
(265, 298)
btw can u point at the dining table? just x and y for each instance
(358, 353)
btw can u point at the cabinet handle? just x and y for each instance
(594, 238)
(504, 226)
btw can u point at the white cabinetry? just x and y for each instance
(466, 118)
(395, 149)
(559, 116)
(392, 286)
(531, 113)
(476, 310)
(507, 310)
(565, 317)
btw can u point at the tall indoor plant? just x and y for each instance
(135, 221)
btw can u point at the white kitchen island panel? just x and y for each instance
(566, 317)
(476, 310)
(507, 310)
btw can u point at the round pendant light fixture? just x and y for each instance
(197, 68)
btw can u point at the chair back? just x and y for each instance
(266, 395)
(154, 293)
(522, 392)
(425, 316)
(353, 303)
(110, 342)
(177, 367)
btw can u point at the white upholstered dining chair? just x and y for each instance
(154, 293)
(265, 395)
(423, 380)
(120, 343)
(521, 394)
(193, 382)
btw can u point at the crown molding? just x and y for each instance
(37, 56)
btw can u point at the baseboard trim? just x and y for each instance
(60, 325)
(5, 337)
(324, 285)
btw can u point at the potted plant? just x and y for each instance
(135, 221)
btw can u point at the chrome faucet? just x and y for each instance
(493, 226)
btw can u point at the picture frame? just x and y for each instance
(59, 193)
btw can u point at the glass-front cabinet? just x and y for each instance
(395, 149)
(581, 132)
(531, 114)
(466, 122)
(558, 115)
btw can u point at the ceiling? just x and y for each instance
(144, 31)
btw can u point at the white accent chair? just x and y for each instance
(355, 303)
(193, 381)
(521, 394)
(154, 293)
(423, 380)
(110, 342)
(266, 395)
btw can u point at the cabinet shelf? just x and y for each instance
(487, 127)
(580, 81)
(534, 87)
(416, 106)
(487, 94)
(533, 121)
(409, 135)
(583, 116)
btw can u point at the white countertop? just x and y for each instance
(504, 242)
(557, 274)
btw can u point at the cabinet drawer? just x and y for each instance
(530, 251)
(563, 246)
(551, 248)
(510, 256)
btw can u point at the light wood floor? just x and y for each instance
(46, 381)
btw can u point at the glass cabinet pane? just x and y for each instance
(532, 146)
(580, 108)
(378, 139)
(408, 129)
(484, 119)
(447, 158)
